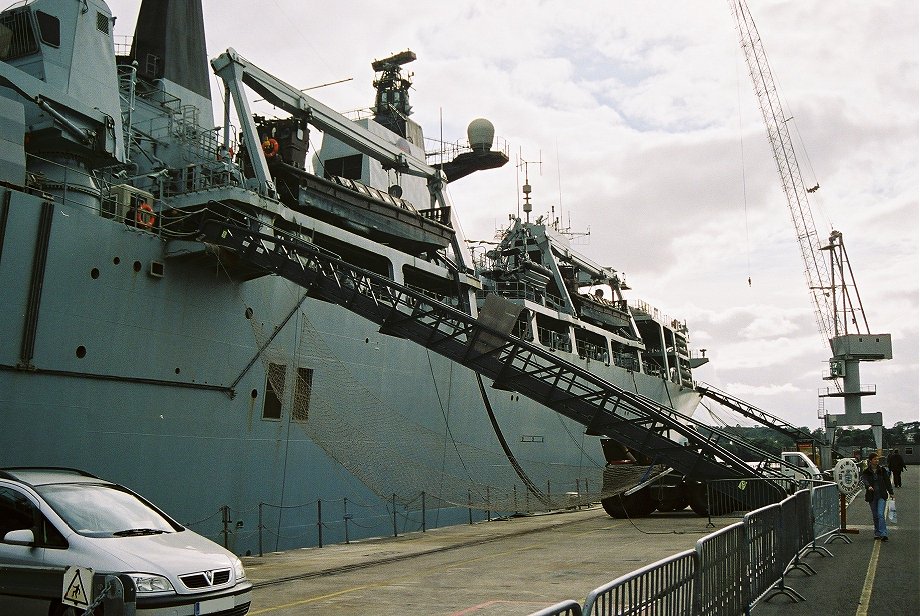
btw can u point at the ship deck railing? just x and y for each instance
(438, 152)
(74, 181)
(643, 308)
(589, 350)
(523, 290)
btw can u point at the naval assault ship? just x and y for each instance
(136, 349)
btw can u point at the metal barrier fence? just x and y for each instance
(763, 551)
(725, 496)
(730, 570)
(664, 587)
(825, 508)
(563, 608)
(722, 562)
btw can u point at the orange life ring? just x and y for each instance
(144, 217)
(270, 147)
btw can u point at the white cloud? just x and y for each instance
(661, 150)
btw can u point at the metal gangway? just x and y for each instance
(752, 412)
(661, 433)
(759, 415)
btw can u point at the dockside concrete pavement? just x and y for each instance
(522, 564)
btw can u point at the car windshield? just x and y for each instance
(98, 510)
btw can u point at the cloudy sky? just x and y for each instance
(650, 137)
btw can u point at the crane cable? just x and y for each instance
(747, 235)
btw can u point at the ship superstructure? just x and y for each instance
(131, 348)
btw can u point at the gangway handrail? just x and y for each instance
(511, 362)
(759, 415)
(752, 412)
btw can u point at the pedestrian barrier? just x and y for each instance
(563, 608)
(664, 587)
(725, 496)
(722, 557)
(825, 507)
(730, 570)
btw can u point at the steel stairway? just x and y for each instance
(512, 363)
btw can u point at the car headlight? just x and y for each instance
(147, 582)
(240, 571)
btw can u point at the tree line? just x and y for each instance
(846, 440)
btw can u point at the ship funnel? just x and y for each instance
(169, 44)
(480, 133)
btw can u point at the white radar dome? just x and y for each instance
(480, 132)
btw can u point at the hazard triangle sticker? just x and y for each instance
(78, 587)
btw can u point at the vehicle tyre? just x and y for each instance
(673, 498)
(697, 497)
(636, 505)
(700, 506)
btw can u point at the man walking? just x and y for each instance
(896, 464)
(878, 486)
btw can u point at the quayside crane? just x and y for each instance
(835, 297)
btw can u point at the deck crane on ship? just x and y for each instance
(835, 297)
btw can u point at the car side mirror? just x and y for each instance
(23, 536)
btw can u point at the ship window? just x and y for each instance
(274, 390)
(50, 28)
(301, 408)
(345, 166)
(17, 36)
(355, 255)
(441, 289)
(102, 23)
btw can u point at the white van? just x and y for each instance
(54, 517)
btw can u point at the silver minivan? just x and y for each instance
(56, 517)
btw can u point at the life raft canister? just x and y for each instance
(270, 147)
(144, 216)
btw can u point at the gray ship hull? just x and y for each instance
(157, 380)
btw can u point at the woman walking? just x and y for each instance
(878, 486)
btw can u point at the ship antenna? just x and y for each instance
(526, 189)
